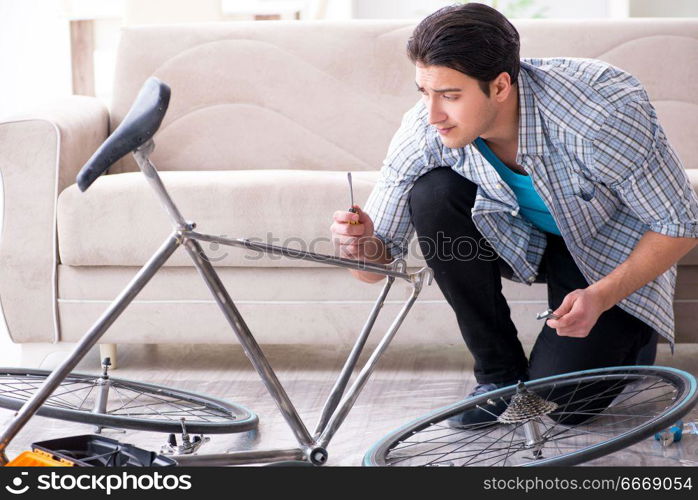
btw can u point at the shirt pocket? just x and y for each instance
(581, 184)
(589, 205)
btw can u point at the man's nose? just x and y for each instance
(435, 114)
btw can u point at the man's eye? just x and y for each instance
(450, 97)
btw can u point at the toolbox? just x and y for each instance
(91, 450)
(38, 459)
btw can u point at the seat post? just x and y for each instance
(141, 155)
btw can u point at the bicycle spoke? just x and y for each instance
(131, 404)
(159, 400)
(85, 398)
(562, 421)
(466, 439)
(30, 389)
(511, 443)
(462, 454)
(598, 416)
(463, 441)
(484, 459)
(512, 430)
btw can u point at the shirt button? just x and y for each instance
(531, 279)
(498, 186)
(515, 212)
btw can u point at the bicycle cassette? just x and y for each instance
(524, 406)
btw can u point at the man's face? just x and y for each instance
(457, 107)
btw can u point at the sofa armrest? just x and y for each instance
(41, 155)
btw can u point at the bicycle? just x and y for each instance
(34, 391)
(135, 135)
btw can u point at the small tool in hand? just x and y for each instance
(351, 194)
(547, 315)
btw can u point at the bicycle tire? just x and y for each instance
(393, 448)
(203, 414)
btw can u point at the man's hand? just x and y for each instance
(358, 242)
(653, 255)
(578, 313)
(354, 241)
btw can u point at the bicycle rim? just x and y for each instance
(645, 400)
(130, 404)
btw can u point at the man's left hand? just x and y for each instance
(578, 313)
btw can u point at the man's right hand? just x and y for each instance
(354, 241)
(358, 242)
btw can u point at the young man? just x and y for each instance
(558, 165)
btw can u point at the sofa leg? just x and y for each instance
(108, 351)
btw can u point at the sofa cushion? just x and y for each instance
(119, 220)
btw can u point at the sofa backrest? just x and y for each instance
(330, 95)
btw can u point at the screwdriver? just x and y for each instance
(547, 315)
(351, 194)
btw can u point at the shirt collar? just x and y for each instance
(531, 135)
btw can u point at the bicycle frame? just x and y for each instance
(312, 447)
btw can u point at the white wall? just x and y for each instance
(412, 9)
(367, 9)
(171, 11)
(666, 8)
(34, 53)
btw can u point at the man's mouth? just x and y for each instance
(444, 131)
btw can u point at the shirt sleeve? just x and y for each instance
(409, 157)
(633, 157)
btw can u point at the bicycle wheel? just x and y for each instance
(129, 404)
(618, 407)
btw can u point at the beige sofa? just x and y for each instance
(264, 122)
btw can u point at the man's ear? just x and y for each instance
(501, 86)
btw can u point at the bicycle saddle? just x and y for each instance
(139, 126)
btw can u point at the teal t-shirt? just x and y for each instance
(531, 206)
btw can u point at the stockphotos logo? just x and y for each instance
(18, 487)
(114, 482)
(108, 483)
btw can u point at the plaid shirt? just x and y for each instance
(591, 142)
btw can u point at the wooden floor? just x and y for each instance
(408, 383)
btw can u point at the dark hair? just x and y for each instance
(473, 38)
